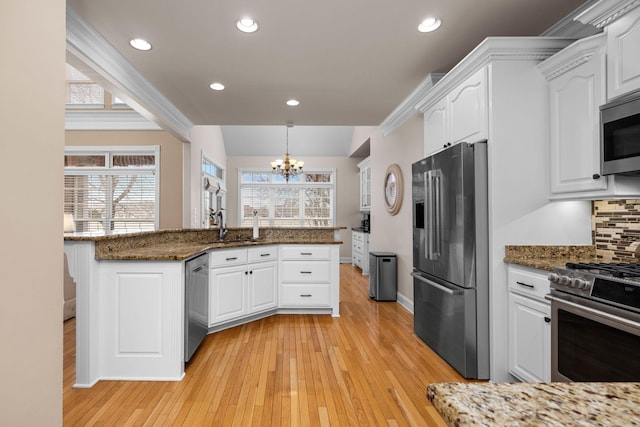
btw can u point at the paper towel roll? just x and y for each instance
(256, 232)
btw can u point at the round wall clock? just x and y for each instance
(393, 189)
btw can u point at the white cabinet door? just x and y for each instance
(467, 109)
(365, 185)
(263, 286)
(529, 339)
(623, 44)
(435, 127)
(227, 293)
(575, 98)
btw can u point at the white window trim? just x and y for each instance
(143, 149)
(332, 184)
(214, 180)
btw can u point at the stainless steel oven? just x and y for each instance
(595, 324)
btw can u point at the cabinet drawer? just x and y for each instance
(295, 252)
(357, 237)
(305, 296)
(225, 257)
(532, 283)
(263, 253)
(306, 272)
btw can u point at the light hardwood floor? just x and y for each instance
(366, 368)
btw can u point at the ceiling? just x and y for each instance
(347, 62)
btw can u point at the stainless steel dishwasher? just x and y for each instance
(196, 297)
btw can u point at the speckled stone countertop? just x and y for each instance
(548, 257)
(181, 244)
(537, 404)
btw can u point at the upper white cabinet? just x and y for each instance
(365, 185)
(577, 89)
(459, 116)
(623, 44)
(435, 127)
(467, 109)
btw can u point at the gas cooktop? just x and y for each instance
(615, 269)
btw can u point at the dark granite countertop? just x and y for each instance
(548, 257)
(181, 244)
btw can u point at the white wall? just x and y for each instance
(207, 141)
(347, 190)
(403, 146)
(32, 41)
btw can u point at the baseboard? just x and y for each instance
(405, 302)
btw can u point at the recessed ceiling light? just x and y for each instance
(216, 86)
(247, 25)
(293, 103)
(429, 24)
(140, 44)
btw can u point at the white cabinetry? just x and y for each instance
(460, 116)
(365, 184)
(143, 307)
(360, 251)
(529, 325)
(623, 44)
(241, 282)
(309, 277)
(577, 88)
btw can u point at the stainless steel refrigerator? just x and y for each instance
(451, 256)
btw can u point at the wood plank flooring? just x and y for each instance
(365, 368)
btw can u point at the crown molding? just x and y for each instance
(407, 108)
(107, 120)
(493, 49)
(570, 27)
(605, 12)
(86, 46)
(574, 55)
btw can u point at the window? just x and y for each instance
(307, 200)
(112, 189)
(82, 91)
(213, 196)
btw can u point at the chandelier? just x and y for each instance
(287, 167)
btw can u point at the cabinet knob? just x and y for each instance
(547, 319)
(596, 176)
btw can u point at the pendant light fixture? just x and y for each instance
(287, 167)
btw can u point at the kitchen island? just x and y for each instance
(537, 404)
(130, 291)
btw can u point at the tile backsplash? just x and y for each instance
(616, 229)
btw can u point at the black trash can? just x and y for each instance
(382, 276)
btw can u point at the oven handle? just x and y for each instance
(593, 311)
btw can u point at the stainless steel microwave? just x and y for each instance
(620, 135)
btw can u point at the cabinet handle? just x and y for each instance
(526, 285)
(305, 272)
(232, 258)
(251, 272)
(547, 319)
(306, 253)
(246, 272)
(306, 295)
(265, 254)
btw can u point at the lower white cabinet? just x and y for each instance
(250, 287)
(309, 277)
(360, 250)
(529, 325)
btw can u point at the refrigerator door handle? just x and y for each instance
(436, 285)
(437, 193)
(428, 213)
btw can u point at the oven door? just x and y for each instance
(591, 341)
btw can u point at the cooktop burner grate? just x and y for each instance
(615, 269)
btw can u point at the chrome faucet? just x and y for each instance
(221, 227)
